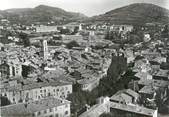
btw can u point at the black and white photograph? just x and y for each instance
(84, 58)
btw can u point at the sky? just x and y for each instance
(87, 7)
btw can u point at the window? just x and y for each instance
(45, 111)
(39, 113)
(50, 109)
(66, 112)
(13, 71)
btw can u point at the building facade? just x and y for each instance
(33, 92)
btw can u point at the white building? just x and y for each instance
(43, 28)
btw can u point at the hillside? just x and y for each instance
(138, 13)
(40, 13)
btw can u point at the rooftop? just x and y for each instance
(162, 73)
(95, 111)
(88, 80)
(142, 75)
(148, 89)
(157, 83)
(133, 108)
(35, 85)
(124, 95)
(29, 108)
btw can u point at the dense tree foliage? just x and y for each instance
(24, 39)
(165, 32)
(107, 86)
(26, 70)
(54, 43)
(80, 98)
(64, 31)
(135, 36)
(5, 34)
(75, 30)
(72, 44)
(4, 101)
(118, 66)
(164, 66)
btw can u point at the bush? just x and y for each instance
(72, 44)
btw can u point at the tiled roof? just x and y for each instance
(124, 95)
(142, 75)
(95, 111)
(132, 108)
(29, 108)
(157, 83)
(88, 80)
(148, 90)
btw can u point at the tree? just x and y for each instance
(75, 30)
(165, 32)
(64, 31)
(24, 39)
(4, 101)
(118, 65)
(26, 70)
(80, 98)
(139, 57)
(72, 44)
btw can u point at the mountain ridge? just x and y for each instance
(41, 13)
(134, 13)
(137, 13)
